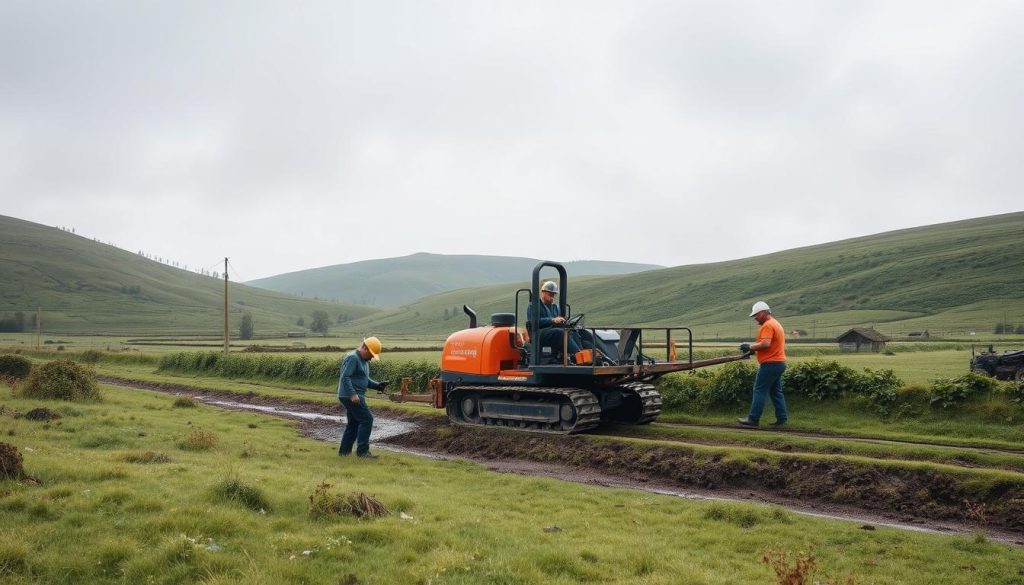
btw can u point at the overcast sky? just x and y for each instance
(291, 135)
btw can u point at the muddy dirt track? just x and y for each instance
(904, 497)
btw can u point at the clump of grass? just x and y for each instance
(236, 491)
(737, 515)
(198, 440)
(184, 402)
(61, 380)
(248, 451)
(10, 462)
(146, 457)
(324, 504)
(13, 557)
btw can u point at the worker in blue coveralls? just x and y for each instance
(352, 385)
(550, 322)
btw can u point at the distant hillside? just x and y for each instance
(390, 282)
(89, 287)
(951, 277)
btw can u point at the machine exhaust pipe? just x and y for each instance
(472, 316)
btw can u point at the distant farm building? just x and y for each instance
(296, 334)
(862, 339)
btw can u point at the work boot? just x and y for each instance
(367, 455)
(747, 422)
(778, 424)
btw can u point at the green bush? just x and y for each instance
(61, 380)
(14, 367)
(731, 384)
(1015, 391)
(949, 392)
(881, 388)
(819, 380)
(684, 391)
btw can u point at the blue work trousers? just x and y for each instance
(769, 383)
(358, 424)
(552, 337)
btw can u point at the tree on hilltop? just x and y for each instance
(245, 330)
(320, 323)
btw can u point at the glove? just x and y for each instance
(745, 347)
(382, 385)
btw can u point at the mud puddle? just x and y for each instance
(404, 433)
(383, 428)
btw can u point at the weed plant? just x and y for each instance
(198, 440)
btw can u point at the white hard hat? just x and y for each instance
(550, 286)
(758, 307)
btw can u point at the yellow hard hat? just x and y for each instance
(373, 344)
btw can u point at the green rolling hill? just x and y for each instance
(390, 282)
(84, 286)
(949, 278)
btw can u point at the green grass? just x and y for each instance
(198, 517)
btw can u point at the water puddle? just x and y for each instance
(383, 428)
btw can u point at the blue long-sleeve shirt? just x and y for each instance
(355, 377)
(547, 314)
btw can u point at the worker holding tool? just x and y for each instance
(771, 358)
(352, 385)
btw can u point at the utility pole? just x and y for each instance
(39, 326)
(226, 343)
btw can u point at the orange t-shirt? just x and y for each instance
(771, 331)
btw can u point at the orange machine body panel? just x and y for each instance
(483, 351)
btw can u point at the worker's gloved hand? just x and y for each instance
(745, 347)
(381, 386)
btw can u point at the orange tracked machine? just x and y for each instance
(495, 375)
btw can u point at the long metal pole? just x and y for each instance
(226, 345)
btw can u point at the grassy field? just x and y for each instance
(133, 499)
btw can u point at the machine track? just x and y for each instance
(644, 408)
(528, 408)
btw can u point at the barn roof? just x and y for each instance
(866, 333)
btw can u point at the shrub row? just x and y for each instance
(884, 392)
(303, 369)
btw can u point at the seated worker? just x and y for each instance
(550, 321)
